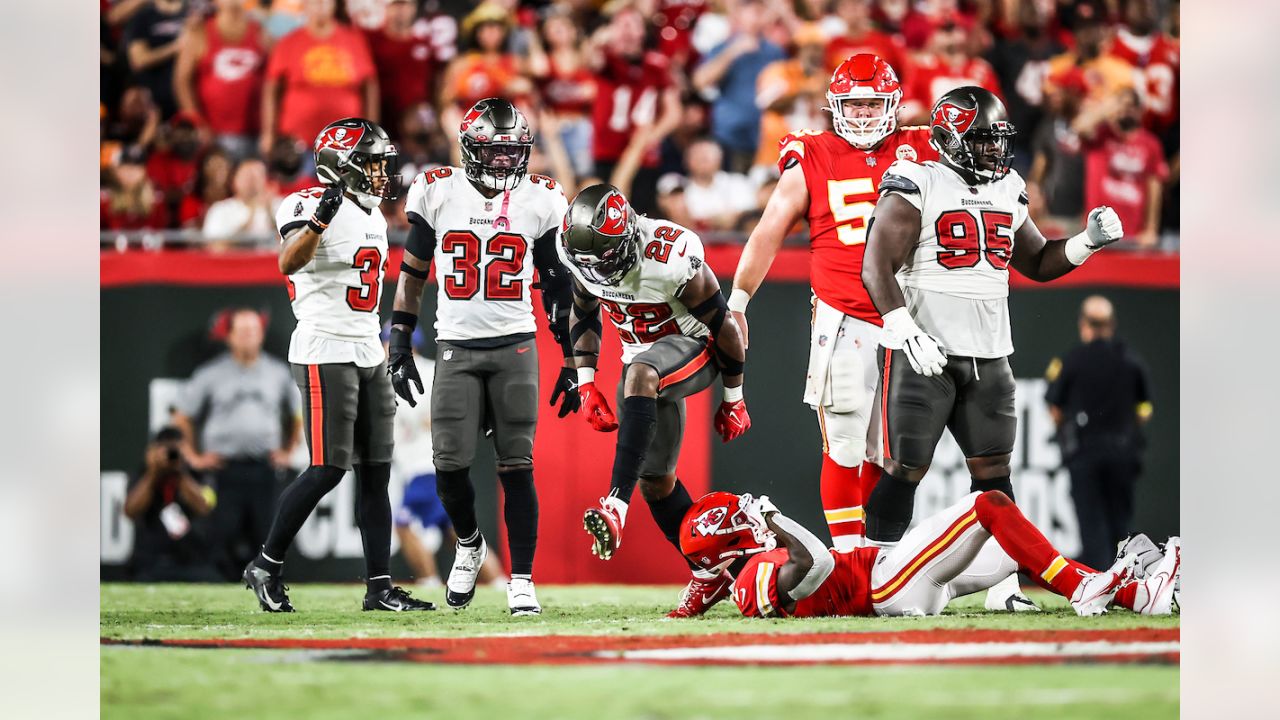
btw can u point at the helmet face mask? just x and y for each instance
(358, 155)
(862, 78)
(496, 145)
(972, 134)
(599, 234)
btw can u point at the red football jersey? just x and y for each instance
(1157, 59)
(843, 183)
(932, 78)
(627, 97)
(846, 592)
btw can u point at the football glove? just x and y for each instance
(921, 349)
(732, 420)
(401, 367)
(566, 385)
(599, 415)
(1103, 227)
(330, 201)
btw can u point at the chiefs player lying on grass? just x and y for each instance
(790, 572)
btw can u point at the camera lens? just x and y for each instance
(174, 455)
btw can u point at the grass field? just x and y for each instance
(330, 660)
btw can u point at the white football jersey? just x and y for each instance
(644, 306)
(335, 295)
(956, 280)
(483, 273)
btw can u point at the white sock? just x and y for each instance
(617, 505)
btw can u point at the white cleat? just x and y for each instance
(1158, 591)
(1007, 596)
(1095, 592)
(521, 598)
(461, 585)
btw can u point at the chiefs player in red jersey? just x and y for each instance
(830, 179)
(946, 556)
(1142, 44)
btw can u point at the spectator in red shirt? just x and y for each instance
(860, 36)
(1124, 167)
(404, 58)
(218, 76)
(567, 86)
(213, 183)
(316, 74)
(952, 63)
(1141, 43)
(172, 164)
(130, 201)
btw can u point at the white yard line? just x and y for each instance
(899, 652)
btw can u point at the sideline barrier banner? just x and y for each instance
(157, 306)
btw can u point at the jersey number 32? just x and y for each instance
(505, 253)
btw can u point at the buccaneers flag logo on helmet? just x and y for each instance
(958, 118)
(339, 138)
(615, 216)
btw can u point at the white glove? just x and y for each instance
(755, 510)
(1103, 227)
(921, 349)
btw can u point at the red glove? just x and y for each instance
(732, 419)
(597, 408)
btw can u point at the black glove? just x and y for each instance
(567, 385)
(401, 367)
(330, 201)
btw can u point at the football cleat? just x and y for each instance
(1007, 596)
(701, 593)
(1095, 592)
(272, 593)
(604, 524)
(461, 585)
(395, 599)
(1158, 590)
(521, 598)
(1148, 552)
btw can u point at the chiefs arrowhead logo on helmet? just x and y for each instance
(957, 118)
(615, 216)
(339, 138)
(710, 521)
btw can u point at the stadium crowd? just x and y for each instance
(208, 107)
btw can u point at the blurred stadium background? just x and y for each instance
(191, 173)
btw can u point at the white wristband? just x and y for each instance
(900, 321)
(1077, 248)
(733, 394)
(738, 300)
(586, 375)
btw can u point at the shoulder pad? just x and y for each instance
(900, 183)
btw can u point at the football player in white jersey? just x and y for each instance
(666, 304)
(486, 226)
(941, 242)
(333, 250)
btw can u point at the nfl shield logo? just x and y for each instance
(447, 354)
(488, 206)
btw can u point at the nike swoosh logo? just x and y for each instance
(397, 607)
(683, 248)
(270, 604)
(521, 351)
(706, 599)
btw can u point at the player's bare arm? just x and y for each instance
(415, 267)
(1044, 260)
(585, 330)
(809, 563)
(705, 301)
(894, 230)
(787, 204)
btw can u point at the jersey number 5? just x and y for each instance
(852, 202)
(506, 251)
(364, 297)
(961, 238)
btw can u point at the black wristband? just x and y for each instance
(412, 271)
(401, 317)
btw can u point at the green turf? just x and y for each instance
(328, 611)
(153, 682)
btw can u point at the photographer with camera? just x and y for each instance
(163, 503)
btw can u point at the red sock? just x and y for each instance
(868, 475)
(842, 503)
(1127, 595)
(1027, 545)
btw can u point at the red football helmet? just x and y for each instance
(864, 77)
(717, 530)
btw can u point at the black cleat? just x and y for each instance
(397, 599)
(270, 589)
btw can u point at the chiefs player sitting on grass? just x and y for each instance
(789, 572)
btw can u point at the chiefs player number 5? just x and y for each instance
(852, 202)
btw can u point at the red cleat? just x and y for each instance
(699, 595)
(604, 524)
